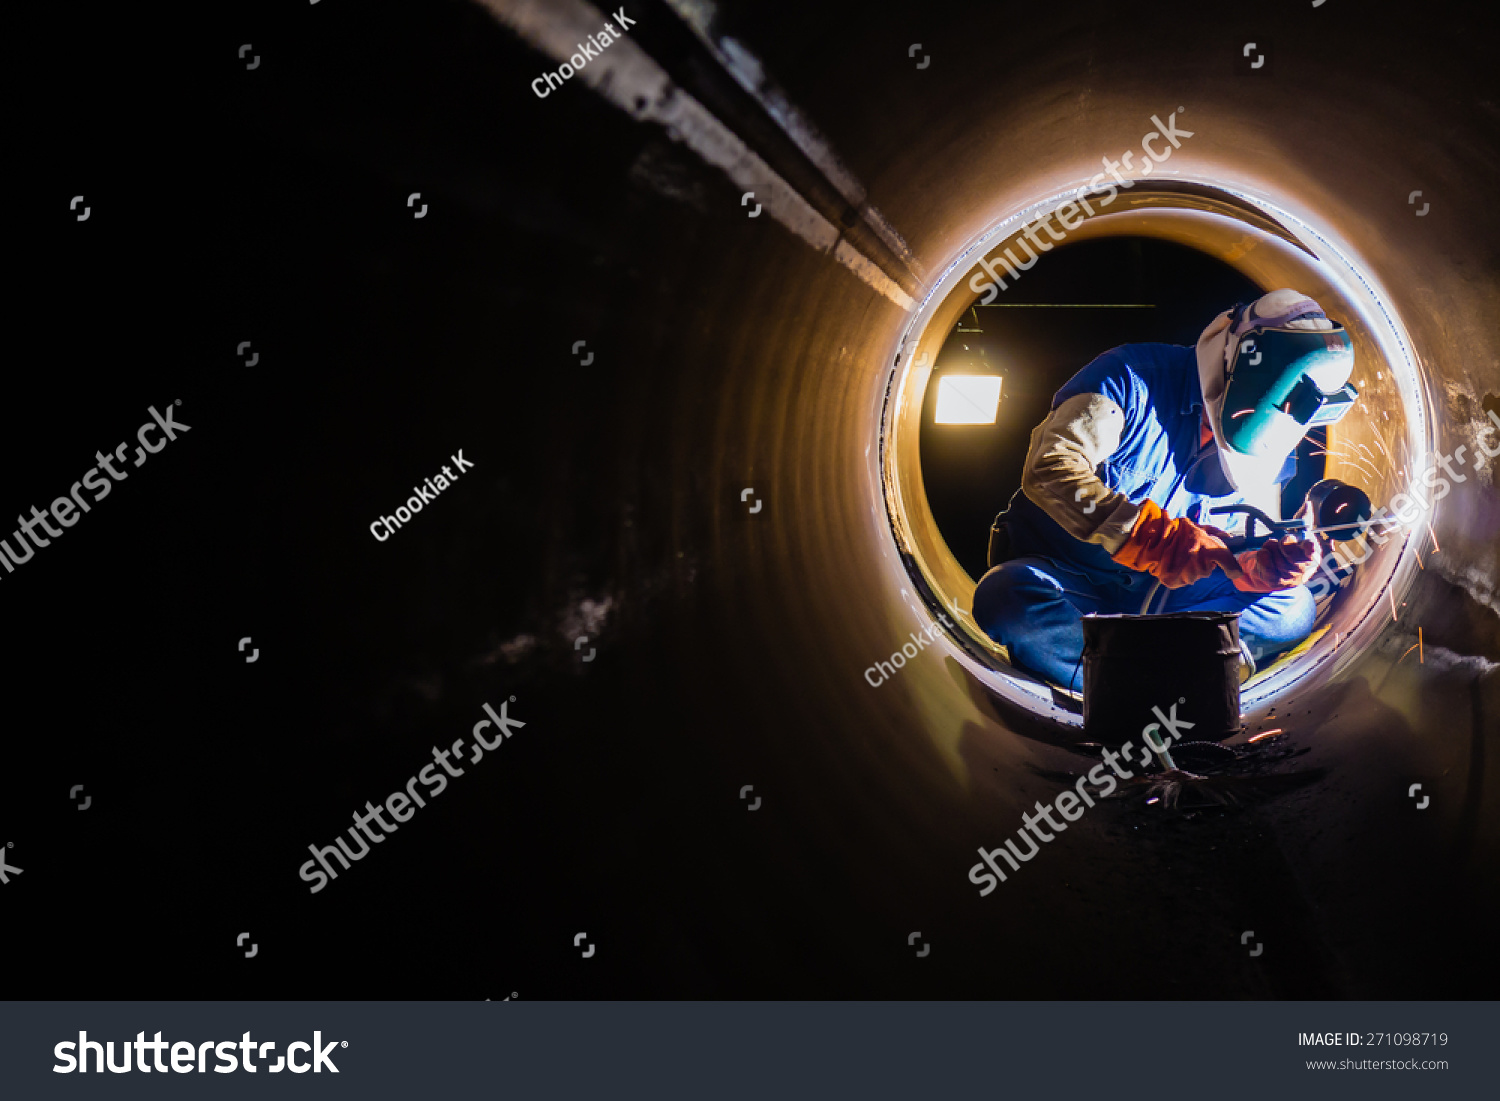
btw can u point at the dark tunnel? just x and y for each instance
(688, 312)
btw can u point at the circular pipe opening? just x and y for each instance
(1378, 447)
(1081, 299)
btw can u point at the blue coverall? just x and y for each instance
(1032, 603)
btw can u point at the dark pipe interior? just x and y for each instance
(606, 501)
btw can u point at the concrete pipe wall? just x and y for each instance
(787, 374)
(674, 304)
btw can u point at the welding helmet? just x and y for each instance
(1270, 371)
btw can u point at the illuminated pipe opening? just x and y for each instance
(1383, 450)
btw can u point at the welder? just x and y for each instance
(1121, 479)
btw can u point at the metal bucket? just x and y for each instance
(1134, 663)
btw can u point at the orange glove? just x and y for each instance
(1176, 552)
(1281, 563)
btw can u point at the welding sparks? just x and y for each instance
(1393, 604)
(1435, 548)
(1421, 652)
(1266, 734)
(1354, 460)
(1409, 649)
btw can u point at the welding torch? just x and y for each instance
(1333, 509)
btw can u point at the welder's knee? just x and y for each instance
(1009, 596)
(1278, 621)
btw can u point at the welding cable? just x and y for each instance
(1147, 602)
(1248, 657)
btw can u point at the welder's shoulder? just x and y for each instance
(1127, 375)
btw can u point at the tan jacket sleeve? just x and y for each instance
(1059, 477)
